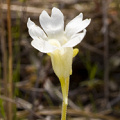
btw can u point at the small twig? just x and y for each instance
(23, 103)
(4, 53)
(10, 94)
(115, 101)
(77, 113)
(27, 9)
(57, 93)
(115, 54)
(91, 48)
(3, 49)
(19, 8)
(106, 50)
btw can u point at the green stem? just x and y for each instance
(64, 111)
(65, 89)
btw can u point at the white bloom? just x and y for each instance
(56, 41)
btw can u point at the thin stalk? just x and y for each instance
(10, 74)
(64, 111)
(106, 50)
(4, 54)
(65, 89)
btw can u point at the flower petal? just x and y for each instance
(76, 25)
(52, 25)
(75, 39)
(42, 45)
(35, 31)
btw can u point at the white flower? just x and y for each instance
(56, 41)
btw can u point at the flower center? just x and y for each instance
(54, 42)
(58, 42)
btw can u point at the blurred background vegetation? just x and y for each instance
(29, 89)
